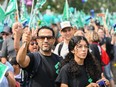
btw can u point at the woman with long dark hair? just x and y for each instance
(80, 68)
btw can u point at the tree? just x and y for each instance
(97, 5)
(57, 5)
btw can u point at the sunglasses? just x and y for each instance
(32, 43)
(43, 37)
(5, 34)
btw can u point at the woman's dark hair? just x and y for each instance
(32, 39)
(72, 43)
(90, 63)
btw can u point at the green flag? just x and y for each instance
(80, 19)
(12, 19)
(23, 12)
(12, 7)
(106, 14)
(66, 12)
(107, 17)
(2, 14)
(34, 18)
(34, 22)
(3, 69)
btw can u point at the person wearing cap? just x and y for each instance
(8, 50)
(6, 32)
(67, 32)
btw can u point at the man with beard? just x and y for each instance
(43, 63)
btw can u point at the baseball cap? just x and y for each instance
(65, 24)
(6, 29)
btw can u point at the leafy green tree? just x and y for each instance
(97, 5)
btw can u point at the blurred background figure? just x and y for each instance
(107, 46)
(6, 33)
(94, 46)
(33, 45)
(8, 79)
(66, 32)
(20, 76)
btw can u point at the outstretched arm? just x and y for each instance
(22, 58)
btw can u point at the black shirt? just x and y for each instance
(43, 78)
(65, 77)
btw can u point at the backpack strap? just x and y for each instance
(36, 65)
(59, 48)
(48, 69)
(35, 68)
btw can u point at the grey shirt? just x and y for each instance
(8, 50)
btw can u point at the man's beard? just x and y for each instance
(46, 50)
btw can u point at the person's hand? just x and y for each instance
(107, 83)
(93, 85)
(34, 31)
(17, 29)
(26, 37)
(17, 34)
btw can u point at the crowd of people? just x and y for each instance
(60, 55)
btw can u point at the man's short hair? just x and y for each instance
(46, 27)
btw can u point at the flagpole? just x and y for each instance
(17, 12)
(31, 14)
(29, 27)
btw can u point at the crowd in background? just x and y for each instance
(102, 42)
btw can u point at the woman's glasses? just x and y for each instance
(32, 43)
